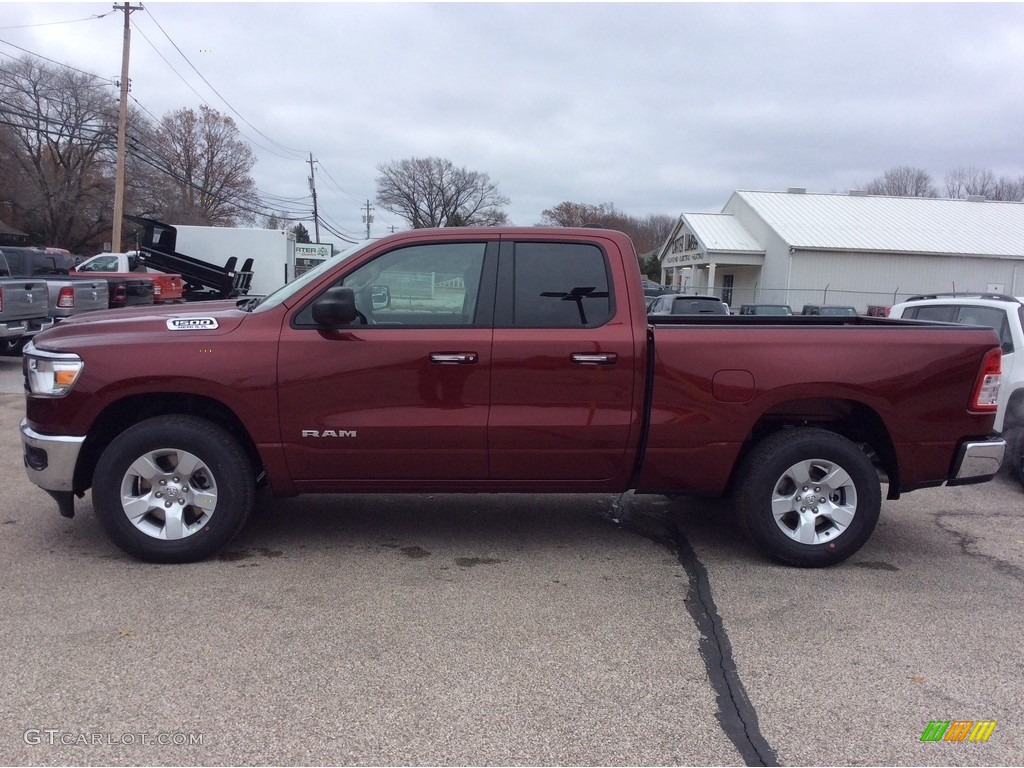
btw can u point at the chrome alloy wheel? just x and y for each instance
(814, 501)
(168, 494)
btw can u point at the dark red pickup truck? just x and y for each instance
(464, 360)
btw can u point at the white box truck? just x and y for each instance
(221, 262)
(272, 252)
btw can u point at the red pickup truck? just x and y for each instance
(485, 360)
(167, 288)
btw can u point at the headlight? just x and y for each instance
(50, 374)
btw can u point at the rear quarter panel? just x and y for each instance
(713, 384)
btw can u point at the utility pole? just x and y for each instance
(122, 129)
(368, 217)
(312, 188)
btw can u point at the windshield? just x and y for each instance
(281, 295)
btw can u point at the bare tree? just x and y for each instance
(432, 192)
(962, 182)
(57, 151)
(654, 231)
(646, 233)
(568, 214)
(903, 181)
(205, 167)
(1010, 190)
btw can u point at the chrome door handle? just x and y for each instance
(453, 358)
(590, 358)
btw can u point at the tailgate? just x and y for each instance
(72, 297)
(23, 299)
(131, 291)
(166, 287)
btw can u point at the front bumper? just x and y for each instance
(50, 460)
(978, 461)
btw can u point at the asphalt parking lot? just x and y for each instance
(508, 630)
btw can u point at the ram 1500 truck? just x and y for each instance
(505, 359)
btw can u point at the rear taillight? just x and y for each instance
(986, 389)
(66, 298)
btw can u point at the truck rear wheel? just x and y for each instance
(173, 489)
(808, 497)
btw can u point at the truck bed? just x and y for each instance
(719, 382)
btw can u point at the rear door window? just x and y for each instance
(556, 285)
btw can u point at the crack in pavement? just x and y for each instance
(736, 714)
(970, 545)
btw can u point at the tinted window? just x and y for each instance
(560, 285)
(942, 314)
(52, 263)
(685, 306)
(990, 317)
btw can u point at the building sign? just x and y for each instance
(309, 255)
(685, 251)
(314, 250)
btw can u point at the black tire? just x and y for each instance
(1017, 457)
(210, 505)
(13, 347)
(822, 519)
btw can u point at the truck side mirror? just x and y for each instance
(337, 306)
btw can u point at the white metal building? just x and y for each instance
(851, 249)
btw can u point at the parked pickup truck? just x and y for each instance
(167, 288)
(505, 359)
(23, 308)
(68, 295)
(71, 293)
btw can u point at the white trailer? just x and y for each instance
(272, 252)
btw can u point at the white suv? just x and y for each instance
(1006, 315)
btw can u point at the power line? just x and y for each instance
(51, 23)
(272, 204)
(58, 63)
(201, 98)
(201, 77)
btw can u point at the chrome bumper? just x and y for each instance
(50, 459)
(978, 461)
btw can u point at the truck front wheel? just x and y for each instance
(808, 497)
(173, 489)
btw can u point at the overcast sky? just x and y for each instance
(657, 108)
